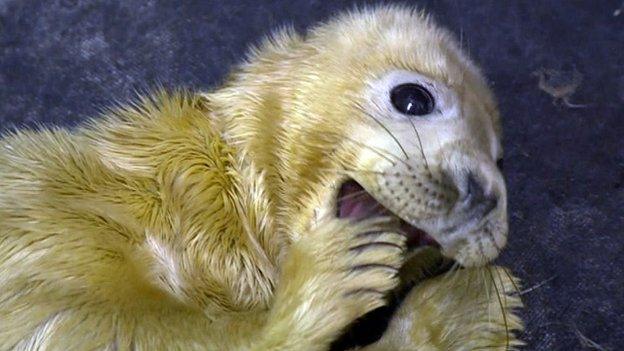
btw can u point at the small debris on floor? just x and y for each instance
(619, 10)
(536, 286)
(560, 84)
(587, 342)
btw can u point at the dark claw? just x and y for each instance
(374, 233)
(371, 233)
(363, 247)
(370, 266)
(364, 291)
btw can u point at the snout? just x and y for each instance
(475, 202)
(474, 199)
(475, 229)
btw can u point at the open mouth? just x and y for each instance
(424, 258)
(356, 203)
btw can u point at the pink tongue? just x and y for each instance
(355, 203)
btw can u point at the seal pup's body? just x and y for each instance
(208, 221)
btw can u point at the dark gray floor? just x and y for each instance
(61, 61)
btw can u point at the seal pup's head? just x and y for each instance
(376, 112)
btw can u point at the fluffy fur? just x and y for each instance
(205, 221)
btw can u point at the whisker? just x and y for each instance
(513, 281)
(455, 343)
(352, 195)
(448, 275)
(422, 151)
(503, 311)
(352, 170)
(536, 286)
(492, 239)
(381, 152)
(500, 279)
(368, 114)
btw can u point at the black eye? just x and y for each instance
(412, 99)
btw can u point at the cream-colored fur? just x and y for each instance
(207, 221)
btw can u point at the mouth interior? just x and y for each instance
(354, 202)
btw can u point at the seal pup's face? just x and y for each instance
(420, 131)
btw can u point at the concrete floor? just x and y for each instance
(62, 61)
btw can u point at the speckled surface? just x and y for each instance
(62, 61)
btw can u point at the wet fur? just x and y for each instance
(190, 221)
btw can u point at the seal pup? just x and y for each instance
(269, 214)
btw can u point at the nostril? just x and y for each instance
(474, 198)
(473, 191)
(500, 163)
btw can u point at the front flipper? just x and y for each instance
(467, 309)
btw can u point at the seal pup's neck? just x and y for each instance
(261, 113)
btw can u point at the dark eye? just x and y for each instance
(412, 99)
